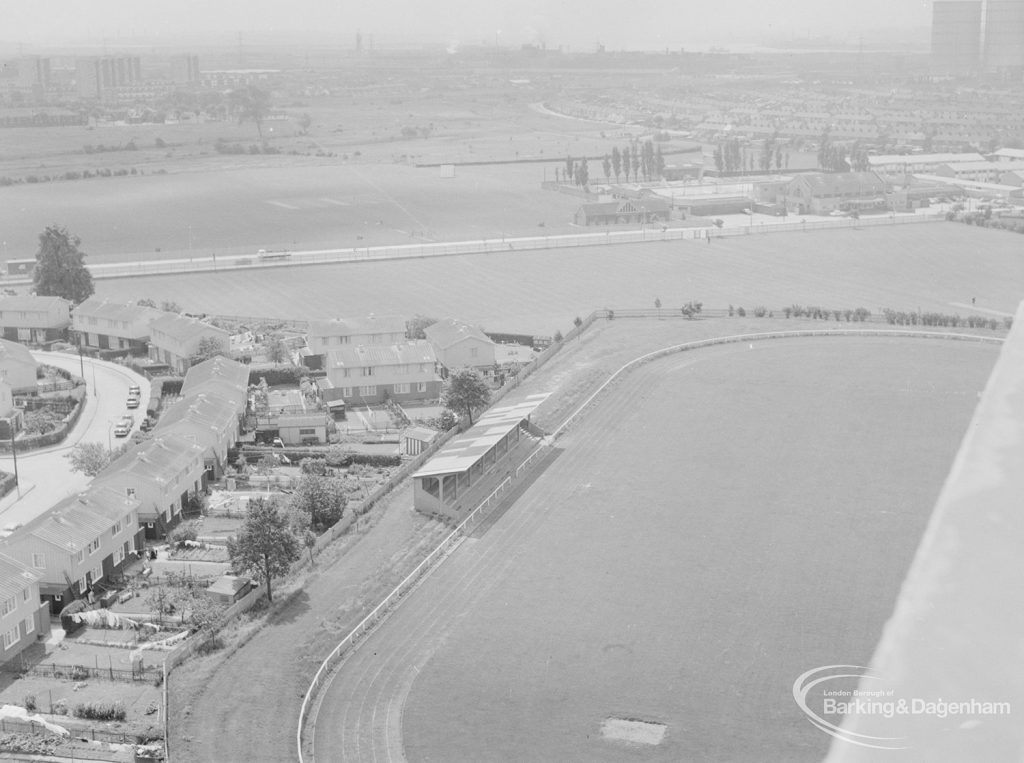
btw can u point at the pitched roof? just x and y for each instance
(116, 311)
(834, 183)
(158, 460)
(448, 331)
(626, 207)
(16, 352)
(15, 577)
(31, 302)
(923, 158)
(233, 374)
(363, 355)
(184, 328)
(371, 324)
(69, 526)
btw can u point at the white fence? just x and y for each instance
(382, 610)
(651, 233)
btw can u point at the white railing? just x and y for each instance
(650, 233)
(379, 612)
(386, 606)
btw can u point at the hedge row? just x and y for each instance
(280, 374)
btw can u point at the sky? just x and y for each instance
(650, 24)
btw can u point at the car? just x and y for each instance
(837, 213)
(121, 429)
(132, 402)
(135, 389)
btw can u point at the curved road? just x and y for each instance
(44, 475)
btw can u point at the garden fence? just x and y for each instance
(82, 672)
(91, 734)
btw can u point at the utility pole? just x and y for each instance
(14, 452)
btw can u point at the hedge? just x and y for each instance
(279, 374)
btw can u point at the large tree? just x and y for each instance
(414, 326)
(466, 391)
(321, 497)
(251, 105)
(60, 267)
(266, 545)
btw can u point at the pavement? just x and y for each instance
(45, 477)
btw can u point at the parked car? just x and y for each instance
(124, 426)
(133, 402)
(147, 424)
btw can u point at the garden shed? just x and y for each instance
(228, 589)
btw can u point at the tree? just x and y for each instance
(266, 545)
(606, 165)
(276, 350)
(208, 347)
(60, 267)
(578, 323)
(91, 458)
(659, 164)
(251, 105)
(304, 122)
(145, 302)
(321, 498)
(465, 391)
(616, 163)
(626, 162)
(170, 307)
(414, 327)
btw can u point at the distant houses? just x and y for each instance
(368, 374)
(461, 345)
(34, 320)
(175, 339)
(103, 325)
(17, 367)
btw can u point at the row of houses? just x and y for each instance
(78, 547)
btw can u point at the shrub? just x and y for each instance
(741, 312)
(183, 532)
(60, 707)
(557, 338)
(101, 711)
(212, 644)
(30, 702)
(760, 311)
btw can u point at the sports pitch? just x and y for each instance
(722, 522)
(933, 266)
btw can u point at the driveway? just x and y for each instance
(45, 476)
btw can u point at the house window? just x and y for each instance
(368, 370)
(57, 597)
(29, 625)
(421, 386)
(97, 574)
(118, 555)
(402, 389)
(24, 595)
(307, 431)
(8, 606)
(129, 492)
(79, 557)
(94, 547)
(116, 528)
(11, 637)
(346, 392)
(367, 391)
(473, 351)
(39, 561)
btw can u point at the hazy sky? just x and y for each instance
(648, 24)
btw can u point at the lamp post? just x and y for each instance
(14, 453)
(110, 442)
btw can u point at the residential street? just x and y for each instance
(44, 475)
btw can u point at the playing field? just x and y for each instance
(724, 521)
(934, 266)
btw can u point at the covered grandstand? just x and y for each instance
(446, 482)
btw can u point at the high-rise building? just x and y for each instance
(185, 69)
(956, 36)
(94, 76)
(1004, 35)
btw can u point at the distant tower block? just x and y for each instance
(1004, 35)
(447, 170)
(956, 36)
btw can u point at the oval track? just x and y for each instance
(360, 716)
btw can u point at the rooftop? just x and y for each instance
(466, 449)
(363, 355)
(116, 311)
(449, 331)
(371, 324)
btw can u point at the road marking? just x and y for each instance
(336, 202)
(281, 204)
(980, 309)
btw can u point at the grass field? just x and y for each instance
(928, 266)
(683, 564)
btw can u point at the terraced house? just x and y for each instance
(163, 474)
(214, 400)
(368, 374)
(175, 339)
(78, 544)
(332, 334)
(23, 617)
(34, 320)
(103, 325)
(461, 345)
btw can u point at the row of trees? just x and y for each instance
(901, 318)
(639, 160)
(731, 156)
